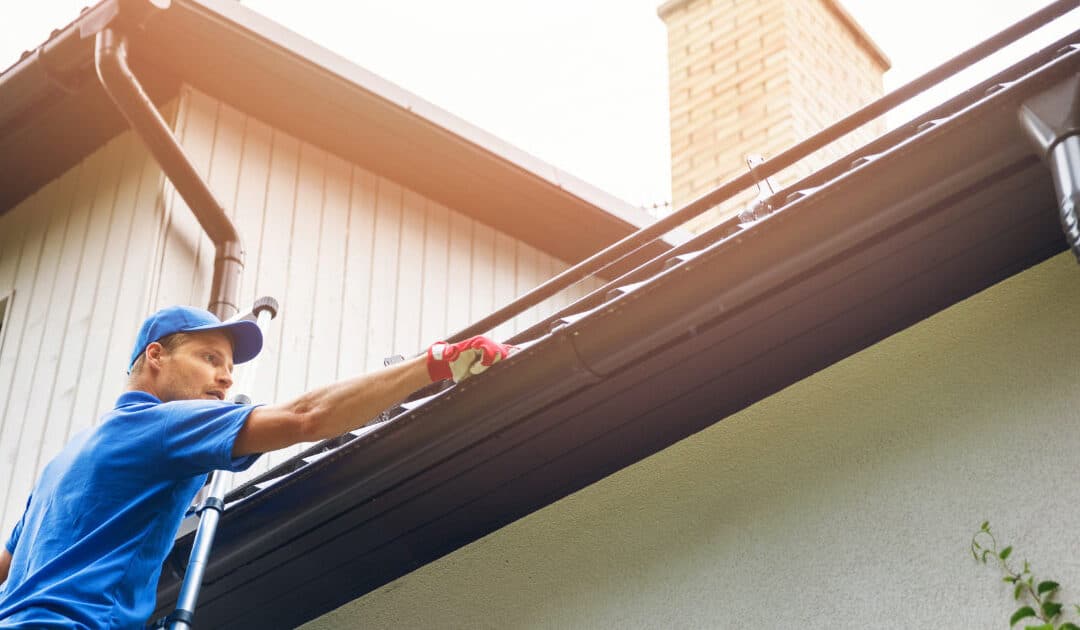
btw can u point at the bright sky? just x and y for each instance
(580, 84)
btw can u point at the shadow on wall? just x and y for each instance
(851, 493)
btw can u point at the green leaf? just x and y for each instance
(1021, 613)
(1018, 590)
(1005, 552)
(985, 526)
(1051, 609)
(1043, 626)
(1047, 586)
(1010, 579)
(1068, 625)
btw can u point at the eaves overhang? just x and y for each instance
(918, 220)
(53, 113)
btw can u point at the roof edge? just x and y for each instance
(29, 83)
(323, 59)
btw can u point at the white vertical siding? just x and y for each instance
(76, 255)
(363, 268)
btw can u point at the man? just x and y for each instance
(89, 547)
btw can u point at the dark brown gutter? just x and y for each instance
(110, 59)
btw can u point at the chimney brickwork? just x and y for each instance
(758, 76)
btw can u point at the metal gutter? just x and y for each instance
(57, 64)
(53, 111)
(130, 98)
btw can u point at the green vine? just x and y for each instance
(1036, 597)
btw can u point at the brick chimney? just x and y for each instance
(758, 76)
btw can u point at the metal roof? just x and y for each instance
(919, 219)
(53, 112)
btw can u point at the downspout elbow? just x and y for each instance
(1051, 121)
(120, 83)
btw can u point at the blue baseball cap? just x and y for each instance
(246, 337)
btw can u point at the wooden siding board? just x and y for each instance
(199, 137)
(482, 283)
(180, 238)
(227, 159)
(273, 253)
(326, 330)
(505, 280)
(87, 328)
(459, 268)
(436, 275)
(552, 304)
(384, 274)
(410, 290)
(144, 211)
(248, 209)
(529, 277)
(359, 255)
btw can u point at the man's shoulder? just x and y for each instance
(135, 401)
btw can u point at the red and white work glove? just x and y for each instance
(461, 360)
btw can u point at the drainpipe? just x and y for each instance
(110, 59)
(1052, 123)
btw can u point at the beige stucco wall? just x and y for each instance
(847, 500)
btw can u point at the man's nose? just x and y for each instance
(225, 378)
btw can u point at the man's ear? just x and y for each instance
(154, 353)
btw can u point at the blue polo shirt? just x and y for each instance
(88, 550)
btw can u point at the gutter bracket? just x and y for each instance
(762, 205)
(66, 84)
(1051, 121)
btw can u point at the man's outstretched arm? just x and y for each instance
(329, 411)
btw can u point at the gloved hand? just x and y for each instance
(461, 360)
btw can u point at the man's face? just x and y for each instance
(200, 367)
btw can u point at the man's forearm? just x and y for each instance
(351, 403)
(329, 411)
(332, 410)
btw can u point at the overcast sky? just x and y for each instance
(581, 84)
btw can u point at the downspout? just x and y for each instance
(110, 60)
(1052, 123)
